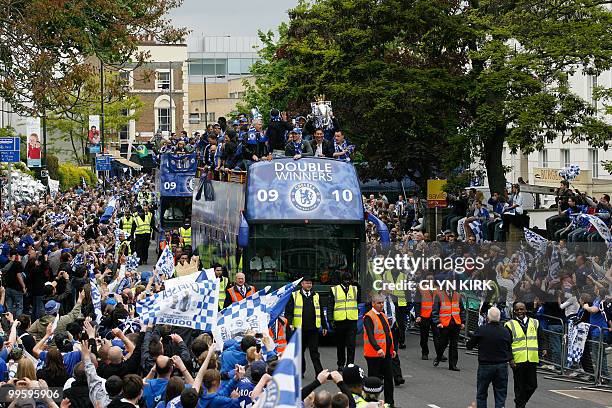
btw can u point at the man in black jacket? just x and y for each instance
(276, 130)
(494, 352)
(321, 147)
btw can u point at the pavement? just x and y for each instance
(437, 387)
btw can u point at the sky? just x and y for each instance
(241, 18)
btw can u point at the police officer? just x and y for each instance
(448, 315)
(399, 278)
(142, 227)
(304, 310)
(343, 302)
(185, 233)
(525, 357)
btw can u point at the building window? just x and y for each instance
(163, 119)
(543, 158)
(208, 66)
(163, 80)
(240, 66)
(124, 133)
(124, 79)
(565, 157)
(194, 118)
(594, 159)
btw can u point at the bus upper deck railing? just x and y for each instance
(232, 176)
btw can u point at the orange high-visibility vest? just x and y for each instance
(427, 301)
(379, 335)
(281, 334)
(449, 308)
(237, 297)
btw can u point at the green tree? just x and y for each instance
(43, 44)
(73, 124)
(523, 54)
(392, 70)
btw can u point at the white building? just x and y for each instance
(542, 167)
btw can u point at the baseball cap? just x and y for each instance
(372, 385)
(111, 301)
(145, 276)
(353, 375)
(52, 307)
(258, 369)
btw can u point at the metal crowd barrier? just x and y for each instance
(554, 341)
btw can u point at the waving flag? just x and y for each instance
(194, 305)
(283, 390)
(78, 260)
(138, 185)
(554, 265)
(96, 298)
(276, 301)
(132, 262)
(58, 219)
(476, 227)
(165, 263)
(239, 317)
(109, 210)
(536, 241)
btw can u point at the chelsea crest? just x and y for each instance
(305, 196)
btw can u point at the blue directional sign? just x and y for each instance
(9, 149)
(103, 163)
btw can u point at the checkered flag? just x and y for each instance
(132, 262)
(58, 219)
(577, 336)
(536, 241)
(199, 312)
(78, 260)
(138, 185)
(165, 263)
(476, 227)
(240, 316)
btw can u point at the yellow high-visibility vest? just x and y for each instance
(127, 224)
(400, 294)
(345, 304)
(143, 226)
(299, 308)
(222, 294)
(524, 345)
(186, 235)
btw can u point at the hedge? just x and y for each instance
(71, 176)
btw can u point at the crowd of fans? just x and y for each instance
(568, 280)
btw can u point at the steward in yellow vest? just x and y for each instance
(343, 307)
(223, 284)
(185, 234)
(304, 310)
(142, 234)
(525, 355)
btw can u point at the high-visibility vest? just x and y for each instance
(298, 308)
(524, 346)
(122, 245)
(127, 224)
(359, 401)
(222, 294)
(427, 301)
(143, 226)
(280, 337)
(399, 294)
(186, 235)
(345, 304)
(449, 308)
(237, 297)
(162, 245)
(379, 335)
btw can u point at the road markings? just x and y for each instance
(565, 394)
(432, 406)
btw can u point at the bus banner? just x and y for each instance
(176, 175)
(305, 189)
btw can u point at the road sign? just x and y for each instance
(9, 149)
(103, 163)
